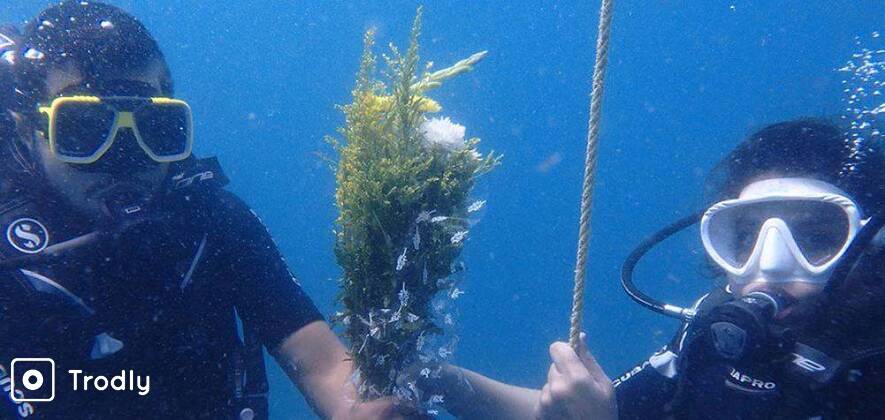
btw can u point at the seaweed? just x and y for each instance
(403, 213)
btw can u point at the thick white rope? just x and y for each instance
(602, 39)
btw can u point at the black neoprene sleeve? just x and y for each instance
(268, 297)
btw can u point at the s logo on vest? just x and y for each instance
(27, 235)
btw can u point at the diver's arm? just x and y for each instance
(576, 387)
(318, 364)
(272, 303)
(469, 395)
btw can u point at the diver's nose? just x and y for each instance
(125, 155)
(775, 257)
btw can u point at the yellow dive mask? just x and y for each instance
(81, 129)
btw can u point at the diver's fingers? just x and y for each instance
(553, 374)
(582, 344)
(590, 361)
(568, 363)
(545, 401)
(548, 407)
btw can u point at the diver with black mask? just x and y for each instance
(123, 255)
(794, 329)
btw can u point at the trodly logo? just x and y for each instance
(32, 379)
(27, 235)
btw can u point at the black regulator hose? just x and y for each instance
(846, 304)
(8, 43)
(119, 222)
(633, 259)
(52, 252)
(853, 254)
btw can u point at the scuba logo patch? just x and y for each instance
(27, 235)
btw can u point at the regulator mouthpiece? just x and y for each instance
(741, 327)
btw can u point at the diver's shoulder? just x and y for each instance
(229, 201)
(228, 208)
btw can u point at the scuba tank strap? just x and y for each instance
(202, 178)
(255, 387)
(250, 387)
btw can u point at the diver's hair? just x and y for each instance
(807, 148)
(101, 41)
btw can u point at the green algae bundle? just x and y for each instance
(404, 177)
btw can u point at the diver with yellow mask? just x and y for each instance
(124, 257)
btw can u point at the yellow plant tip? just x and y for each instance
(429, 105)
(433, 80)
(374, 104)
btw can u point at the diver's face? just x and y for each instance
(84, 185)
(776, 269)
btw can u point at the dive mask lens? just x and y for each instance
(81, 131)
(820, 229)
(165, 128)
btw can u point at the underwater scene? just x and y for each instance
(419, 168)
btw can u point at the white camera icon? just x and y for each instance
(29, 382)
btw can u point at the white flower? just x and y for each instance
(443, 133)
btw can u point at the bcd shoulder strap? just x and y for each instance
(250, 387)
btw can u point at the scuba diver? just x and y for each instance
(151, 288)
(796, 327)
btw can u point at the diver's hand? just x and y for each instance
(576, 388)
(382, 408)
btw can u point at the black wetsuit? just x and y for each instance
(169, 290)
(686, 380)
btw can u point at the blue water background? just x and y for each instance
(686, 81)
